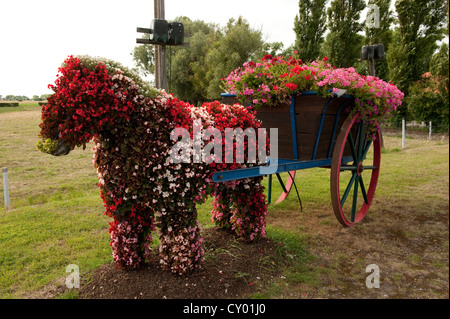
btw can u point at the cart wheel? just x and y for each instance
(354, 171)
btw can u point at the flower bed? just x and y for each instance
(273, 80)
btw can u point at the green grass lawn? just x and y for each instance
(56, 216)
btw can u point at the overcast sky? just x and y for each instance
(37, 35)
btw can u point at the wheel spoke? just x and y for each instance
(355, 198)
(366, 150)
(361, 140)
(349, 187)
(348, 168)
(363, 190)
(352, 147)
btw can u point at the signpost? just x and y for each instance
(372, 53)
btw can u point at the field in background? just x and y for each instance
(56, 219)
(23, 106)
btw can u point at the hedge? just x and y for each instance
(9, 104)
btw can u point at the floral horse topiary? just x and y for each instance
(130, 124)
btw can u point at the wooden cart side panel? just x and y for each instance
(230, 100)
(308, 116)
(308, 112)
(279, 117)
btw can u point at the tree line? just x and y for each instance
(20, 98)
(416, 58)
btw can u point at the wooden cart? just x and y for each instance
(317, 132)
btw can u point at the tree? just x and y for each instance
(186, 68)
(19, 98)
(343, 42)
(420, 26)
(237, 44)
(187, 65)
(439, 64)
(428, 98)
(272, 48)
(195, 72)
(309, 27)
(144, 57)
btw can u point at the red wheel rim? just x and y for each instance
(350, 173)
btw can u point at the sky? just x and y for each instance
(37, 35)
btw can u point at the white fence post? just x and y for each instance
(429, 134)
(6, 188)
(403, 132)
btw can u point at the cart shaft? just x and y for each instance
(275, 166)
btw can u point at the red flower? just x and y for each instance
(297, 69)
(291, 86)
(325, 58)
(307, 77)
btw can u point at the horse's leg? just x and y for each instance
(249, 209)
(181, 248)
(222, 212)
(131, 237)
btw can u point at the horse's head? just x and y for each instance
(76, 109)
(89, 94)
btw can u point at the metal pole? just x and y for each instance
(157, 50)
(160, 51)
(372, 67)
(403, 132)
(6, 187)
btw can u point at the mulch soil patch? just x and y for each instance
(232, 269)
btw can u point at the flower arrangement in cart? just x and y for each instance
(273, 80)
